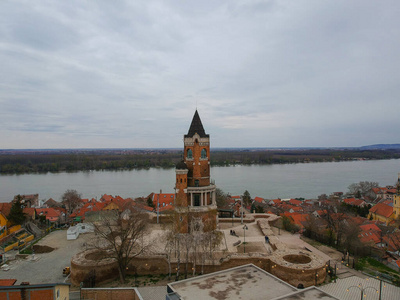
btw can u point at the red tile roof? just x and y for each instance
(7, 282)
(392, 240)
(369, 237)
(354, 201)
(51, 214)
(382, 209)
(259, 199)
(295, 202)
(298, 218)
(5, 208)
(368, 227)
(106, 198)
(29, 211)
(277, 201)
(163, 199)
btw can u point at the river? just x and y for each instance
(306, 180)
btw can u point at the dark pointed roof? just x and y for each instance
(196, 127)
(181, 165)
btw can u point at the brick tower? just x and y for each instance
(194, 189)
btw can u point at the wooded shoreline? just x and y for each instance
(39, 161)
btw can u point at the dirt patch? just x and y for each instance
(98, 255)
(297, 259)
(42, 249)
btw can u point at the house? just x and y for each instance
(106, 198)
(30, 213)
(5, 208)
(355, 202)
(116, 203)
(382, 212)
(36, 291)
(163, 200)
(79, 214)
(275, 201)
(28, 200)
(370, 234)
(295, 202)
(3, 226)
(52, 203)
(391, 241)
(319, 213)
(259, 200)
(52, 215)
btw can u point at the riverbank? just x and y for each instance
(268, 181)
(41, 161)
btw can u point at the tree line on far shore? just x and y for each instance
(20, 163)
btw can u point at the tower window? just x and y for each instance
(203, 153)
(196, 183)
(189, 153)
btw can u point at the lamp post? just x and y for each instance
(380, 286)
(362, 289)
(241, 209)
(244, 237)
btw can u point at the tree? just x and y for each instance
(71, 199)
(150, 202)
(16, 215)
(122, 236)
(220, 198)
(363, 188)
(246, 198)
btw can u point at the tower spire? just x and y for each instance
(196, 127)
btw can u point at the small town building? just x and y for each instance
(36, 291)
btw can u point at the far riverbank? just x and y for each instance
(307, 180)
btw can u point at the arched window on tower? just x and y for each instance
(189, 153)
(203, 153)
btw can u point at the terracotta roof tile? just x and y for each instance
(7, 282)
(382, 209)
(5, 208)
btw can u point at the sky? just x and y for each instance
(130, 74)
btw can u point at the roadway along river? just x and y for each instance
(267, 181)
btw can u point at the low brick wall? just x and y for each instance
(157, 265)
(109, 293)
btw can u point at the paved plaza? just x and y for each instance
(46, 267)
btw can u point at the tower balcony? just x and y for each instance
(202, 196)
(200, 189)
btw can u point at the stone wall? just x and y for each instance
(157, 265)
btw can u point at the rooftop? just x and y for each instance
(244, 282)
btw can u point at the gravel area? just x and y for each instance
(46, 267)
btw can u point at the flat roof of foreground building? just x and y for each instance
(243, 282)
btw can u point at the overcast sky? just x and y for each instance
(130, 74)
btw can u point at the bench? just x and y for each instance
(237, 243)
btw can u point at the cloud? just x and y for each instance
(261, 73)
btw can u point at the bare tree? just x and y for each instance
(169, 247)
(363, 188)
(71, 199)
(122, 236)
(221, 198)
